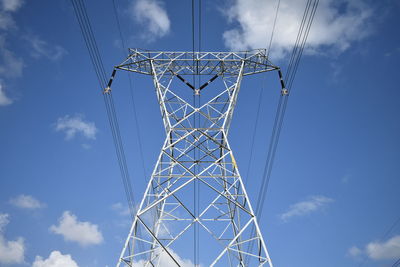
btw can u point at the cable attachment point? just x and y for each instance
(197, 91)
(107, 90)
(284, 91)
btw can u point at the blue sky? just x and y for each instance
(334, 190)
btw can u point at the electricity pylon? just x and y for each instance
(195, 210)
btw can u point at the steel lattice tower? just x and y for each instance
(195, 199)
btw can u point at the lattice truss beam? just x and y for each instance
(196, 151)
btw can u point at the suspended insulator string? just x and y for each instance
(139, 138)
(88, 36)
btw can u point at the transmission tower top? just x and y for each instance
(217, 227)
(198, 63)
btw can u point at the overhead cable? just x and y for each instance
(139, 138)
(305, 25)
(90, 41)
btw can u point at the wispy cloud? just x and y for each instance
(11, 252)
(379, 250)
(305, 207)
(41, 48)
(26, 202)
(11, 66)
(84, 233)
(72, 125)
(336, 26)
(152, 15)
(56, 259)
(11, 5)
(4, 99)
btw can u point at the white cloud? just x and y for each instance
(379, 250)
(41, 48)
(4, 99)
(26, 202)
(354, 251)
(384, 250)
(305, 207)
(167, 261)
(84, 233)
(336, 25)
(72, 125)
(56, 259)
(11, 5)
(10, 251)
(152, 15)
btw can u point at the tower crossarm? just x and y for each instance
(199, 63)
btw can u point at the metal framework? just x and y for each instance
(195, 199)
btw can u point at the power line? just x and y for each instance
(397, 263)
(279, 118)
(297, 51)
(139, 138)
(253, 137)
(301, 41)
(273, 28)
(282, 105)
(91, 44)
